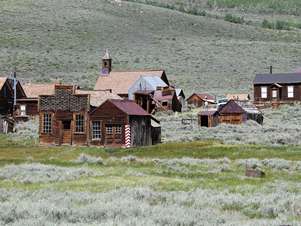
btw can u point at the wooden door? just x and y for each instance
(66, 132)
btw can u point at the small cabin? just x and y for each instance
(166, 100)
(123, 123)
(199, 99)
(270, 89)
(230, 113)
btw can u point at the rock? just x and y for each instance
(251, 172)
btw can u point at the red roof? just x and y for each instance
(129, 107)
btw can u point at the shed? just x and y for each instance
(199, 99)
(231, 113)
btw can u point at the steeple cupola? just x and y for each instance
(106, 63)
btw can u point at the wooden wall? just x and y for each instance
(141, 131)
(196, 101)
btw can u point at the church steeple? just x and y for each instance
(106, 63)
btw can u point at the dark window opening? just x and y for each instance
(66, 124)
(79, 123)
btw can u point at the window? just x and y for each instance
(23, 110)
(274, 93)
(118, 129)
(47, 123)
(109, 129)
(79, 123)
(96, 130)
(290, 91)
(164, 103)
(264, 92)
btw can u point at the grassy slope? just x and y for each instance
(59, 39)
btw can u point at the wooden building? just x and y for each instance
(27, 106)
(7, 95)
(64, 117)
(120, 81)
(181, 96)
(75, 117)
(230, 113)
(199, 99)
(166, 99)
(122, 123)
(277, 89)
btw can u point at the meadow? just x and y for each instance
(195, 183)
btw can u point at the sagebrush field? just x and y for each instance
(198, 183)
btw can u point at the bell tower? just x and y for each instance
(106, 66)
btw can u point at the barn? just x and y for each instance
(79, 117)
(199, 99)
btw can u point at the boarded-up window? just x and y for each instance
(47, 122)
(264, 92)
(290, 91)
(96, 130)
(79, 123)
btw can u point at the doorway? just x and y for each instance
(66, 131)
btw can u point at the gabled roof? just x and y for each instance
(180, 92)
(129, 107)
(282, 78)
(158, 95)
(121, 81)
(203, 96)
(231, 107)
(97, 97)
(35, 90)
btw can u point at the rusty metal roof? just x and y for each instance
(282, 78)
(129, 107)
(35, 90)
(231, 107)
(2, 81)
(203, 96)
(97, 97)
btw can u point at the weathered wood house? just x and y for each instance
(199, 99)
(75, 117)
(166, 100)
(7, 95)
(120, 81)
(276, 89)
(230, 113)
(27, 106)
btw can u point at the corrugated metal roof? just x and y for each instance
(154, 81)
(277, 78)
(129, 107)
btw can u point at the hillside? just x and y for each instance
(64, 40)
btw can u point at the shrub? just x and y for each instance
(84, 158)
(234, 19)
(36, 172)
